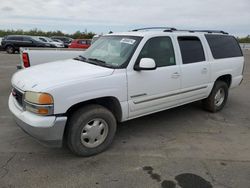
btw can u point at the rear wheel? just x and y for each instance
(217, 98)
(10, 49)
(91, 130)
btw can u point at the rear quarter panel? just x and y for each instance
(232, 66)
(227, 66)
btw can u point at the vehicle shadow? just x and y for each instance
(161, 122)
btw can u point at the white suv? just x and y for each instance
(120, 77)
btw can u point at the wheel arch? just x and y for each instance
(6, 46)
(227, 78)
(109, 102)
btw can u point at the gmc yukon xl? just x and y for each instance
(120, 77)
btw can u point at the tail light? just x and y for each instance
(26, 61)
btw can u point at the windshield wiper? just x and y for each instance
(80, 58)
(97, 60)
(93, 61)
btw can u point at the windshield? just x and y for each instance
(112, 51)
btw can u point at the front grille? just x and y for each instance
(18, 96)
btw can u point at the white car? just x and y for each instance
(123, 76)
(49, 40)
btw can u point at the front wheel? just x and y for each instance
(91, 130)
(217, 98)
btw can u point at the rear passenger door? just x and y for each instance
(16, 41)
(195, 70)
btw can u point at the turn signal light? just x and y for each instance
(45, 98)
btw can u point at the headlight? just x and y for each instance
(39, 103)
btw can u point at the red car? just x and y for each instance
(80, 43)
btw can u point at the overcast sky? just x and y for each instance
(101, 16)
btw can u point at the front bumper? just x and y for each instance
(48, 130)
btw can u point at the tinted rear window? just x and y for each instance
(223, 46)
(14, 38)
(191, 49)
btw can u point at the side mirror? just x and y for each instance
(146, 64)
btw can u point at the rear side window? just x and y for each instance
(15, 38)
(223, 46)
(160, 49)
(191, 49)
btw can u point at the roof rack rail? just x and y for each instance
(204, 31)
(152, 28)
(212, 31)
(172, 29)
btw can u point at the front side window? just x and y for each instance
(30, 39)
(191, 49)
(112, 51)
(160, 49)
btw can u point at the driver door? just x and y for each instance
(154, 90)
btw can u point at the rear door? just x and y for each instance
(195, 68)
(16, 41)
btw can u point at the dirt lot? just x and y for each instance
(185, 146)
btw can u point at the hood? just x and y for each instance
(44, 76)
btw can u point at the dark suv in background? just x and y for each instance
(12, 43)
(66, 40)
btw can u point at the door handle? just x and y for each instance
(175, 75)
(204, 70)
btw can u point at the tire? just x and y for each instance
(10, 49)
(214, 103)
(85, 136)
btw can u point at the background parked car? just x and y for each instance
(80, 43)
(57, 40)
(49, 40)
(1, 43)
(66, 40)
(12, 43)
